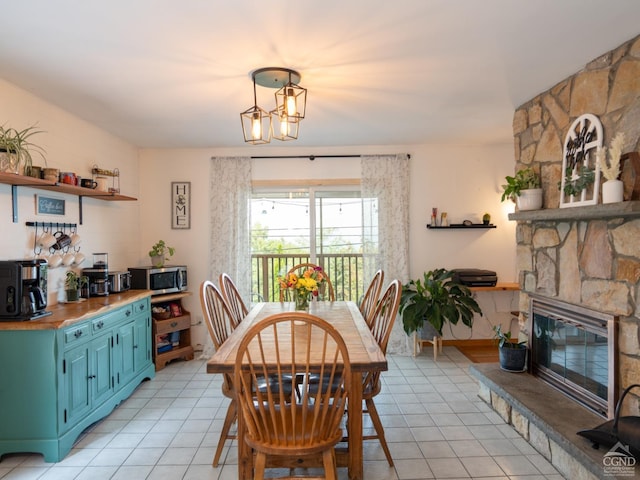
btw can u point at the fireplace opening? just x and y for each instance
(574, 350)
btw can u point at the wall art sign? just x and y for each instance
(580, 183)
(180, 205)
(49, 205)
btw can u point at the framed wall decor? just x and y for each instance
(580, 183)
(46, 205)
(180, 205)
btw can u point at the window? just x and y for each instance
(318, 225)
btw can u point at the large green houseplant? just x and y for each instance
(524, 188)
(16, 147)
(436, 299)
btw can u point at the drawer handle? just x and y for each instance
(141, 308)
(100, 324)
(78, 333)
(174, 324)
(91, 376)
(128, 313)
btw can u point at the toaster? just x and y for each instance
(119, 281)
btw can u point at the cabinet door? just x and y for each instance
(142, 344)
(101, 373)
(77, 386)
(124, 353)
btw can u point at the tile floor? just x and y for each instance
(168, 429)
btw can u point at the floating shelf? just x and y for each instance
(16, 180)
(462, 225)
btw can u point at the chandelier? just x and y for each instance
(282, 123)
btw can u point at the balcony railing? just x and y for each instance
(345, 270)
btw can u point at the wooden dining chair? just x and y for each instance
(295, 343)
(299, 270)
(382, 321)
(220, 323)
(232, 297)
(368, 303)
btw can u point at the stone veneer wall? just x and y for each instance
(594, 263)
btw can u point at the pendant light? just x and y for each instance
(256, 122)
(283, 122)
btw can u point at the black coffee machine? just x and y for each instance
(23, 289)
(98, 275)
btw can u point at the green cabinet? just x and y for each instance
(63, 380)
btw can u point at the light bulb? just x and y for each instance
(292, 108)
(256, 126)
(284, 125)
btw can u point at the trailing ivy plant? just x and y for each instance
(438, 299)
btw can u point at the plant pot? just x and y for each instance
(612, 191)
(157, 261)
(73, 295)
(513, 359)
(530, 199)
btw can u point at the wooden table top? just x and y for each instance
(364, 352)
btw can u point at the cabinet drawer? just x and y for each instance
(98, 325)
(75, 334)
(141, 306)
(173, 324)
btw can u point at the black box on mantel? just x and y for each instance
(475, 277)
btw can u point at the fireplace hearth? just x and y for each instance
(573, 349)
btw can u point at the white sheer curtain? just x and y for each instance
(229, 243)
(386, 178)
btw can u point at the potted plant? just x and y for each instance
(512, 355)
(72, 284)
(160, 252)
(436, 299)
(15, 149)
(524, 189)
(612, 188)
(486, 219)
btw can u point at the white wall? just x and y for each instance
(71, 144)
(462, 180)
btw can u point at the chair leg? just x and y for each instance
(229, 419)
(375, 418)
(329, 463)
(259, 466)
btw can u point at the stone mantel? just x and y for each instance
(590, 212)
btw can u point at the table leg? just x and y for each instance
(354, 428)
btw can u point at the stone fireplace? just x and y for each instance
(587, 256)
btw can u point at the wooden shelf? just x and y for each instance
(16, 180)
(181, 324)
(462, 226)
(500, 286)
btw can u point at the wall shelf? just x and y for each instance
(589, 212)
(16, 180)
(462, 226)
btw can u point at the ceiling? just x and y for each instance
(169, 73)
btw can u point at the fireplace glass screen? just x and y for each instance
(571, 351)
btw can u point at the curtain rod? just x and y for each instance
(310, 157)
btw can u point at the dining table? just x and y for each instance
(364, 354)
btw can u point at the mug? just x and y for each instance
(75, 240)
(69, 178)
(55, 260)
(78, 258)
(50, 174)
(62, 240)
(102, 184)
(46, 240)
(68, 259)
(88, 183)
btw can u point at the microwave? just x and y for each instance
(160, 280)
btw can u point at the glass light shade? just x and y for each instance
(284, 127)
(256, 125)
(292, 99)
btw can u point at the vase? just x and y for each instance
(530, 199)
(612, 191)
(301, 301)
(157, 261)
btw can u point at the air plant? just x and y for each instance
(611, 170)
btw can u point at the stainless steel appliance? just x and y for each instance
(23, 289)
(159, 280)
(119, 281)
(98, 275)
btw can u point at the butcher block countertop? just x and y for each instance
(66, 314)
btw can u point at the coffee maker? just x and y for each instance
(23, 289)
(98, 275)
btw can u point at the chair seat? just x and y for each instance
(299, 436)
